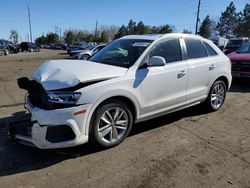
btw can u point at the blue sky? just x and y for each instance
(82, 14)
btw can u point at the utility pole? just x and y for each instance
(198, 19)
(96, 25)
(29, 23)
(60, 34)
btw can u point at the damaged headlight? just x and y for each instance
(63, 98)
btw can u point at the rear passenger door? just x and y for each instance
(202, 69)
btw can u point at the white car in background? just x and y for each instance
(86, 54)
(133, 79)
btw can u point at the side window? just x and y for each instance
(170, 50)
(195, 49)
(210, 50)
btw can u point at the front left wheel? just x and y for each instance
(111, 124)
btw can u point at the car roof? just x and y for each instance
(157, 36)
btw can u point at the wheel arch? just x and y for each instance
(132, 103)
(224, 79)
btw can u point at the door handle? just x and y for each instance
(181, 74)
(212, 67)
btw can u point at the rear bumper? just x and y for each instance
(52, 128)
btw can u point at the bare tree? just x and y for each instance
(14, 36)
(110, 31)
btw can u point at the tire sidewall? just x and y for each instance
(85, 57)
(211, 107)
(94, 137)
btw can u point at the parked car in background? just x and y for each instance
(7, 47)
(241, 61)
(77, 46)
(234, 44)
(86, 54)
(219, 41)
(76, 51)
(60, 47)
(132, 79)
(29, 46)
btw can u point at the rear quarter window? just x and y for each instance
(195, 49)
(210, 50)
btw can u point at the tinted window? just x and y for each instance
(195, 49)
(170, 50)
(210, 50)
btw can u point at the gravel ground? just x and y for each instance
(189, 148)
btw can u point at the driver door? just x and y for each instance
(164, 87)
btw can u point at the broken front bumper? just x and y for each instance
(47, 129)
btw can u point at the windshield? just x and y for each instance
(245, 48)
(122, 53)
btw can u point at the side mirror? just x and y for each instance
(156, 61)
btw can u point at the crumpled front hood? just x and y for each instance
(60, 74)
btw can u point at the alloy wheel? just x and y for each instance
(217, 96)
(113, 125)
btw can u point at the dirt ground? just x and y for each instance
(189, 148)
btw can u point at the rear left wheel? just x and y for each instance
(216, 96)
(111, 124)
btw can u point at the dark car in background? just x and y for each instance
(234, 44)
(241, 61)
(7, 47)
(29, 46)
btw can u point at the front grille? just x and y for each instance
(241, 66)
(21, 128)
(59, 133)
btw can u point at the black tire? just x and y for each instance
(96, 122)
(210, 103)
(85, 57)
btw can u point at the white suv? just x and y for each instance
(133, 79)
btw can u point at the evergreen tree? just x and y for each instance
(104, 37)
(205, 28)
(243, 29)
(141, 28)
(165, 29)
(122, 32)
(131, 27)
(52, 38)
(228, 21)
(69, 36)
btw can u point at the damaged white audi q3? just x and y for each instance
(132, 79)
